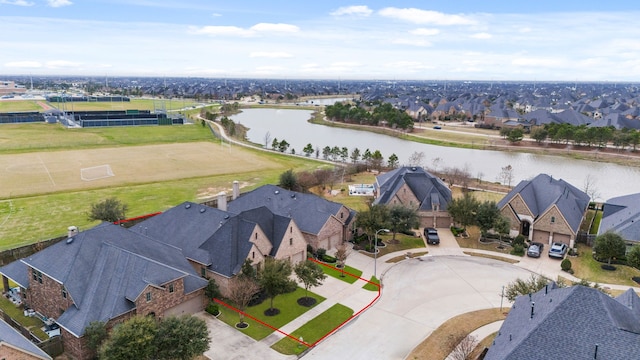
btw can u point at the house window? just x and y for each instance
(256, 236)
(253, 254)
(64, 293)
(553, 219)
(290, 241)
(290, 229)
(203, 272)
(171, 288)
(341, 215)
(148, 296)
(35, 274)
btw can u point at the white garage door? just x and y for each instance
(296, 258)
(188, 307)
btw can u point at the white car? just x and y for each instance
(557, 250)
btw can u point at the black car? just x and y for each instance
(431, 235)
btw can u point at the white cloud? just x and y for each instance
(424, 32)
(268, 27)
(482, 35)
(23, 64)
(58, 3)
(355, 10)
(418, 16)
(216, 15)
(272, 55)
(537, 62)
(412, 42)
(17, 2)
(57, 64)
(221, 30)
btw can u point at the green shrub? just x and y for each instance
(565, 265)
(518, 250)
(320, 253)
(328, 259)
(213, 309)
(519, 240)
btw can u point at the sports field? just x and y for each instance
(134, 104)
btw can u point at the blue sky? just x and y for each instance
(435, 40)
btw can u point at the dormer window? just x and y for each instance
(553, 219)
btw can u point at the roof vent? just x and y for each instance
(69, 240)
(188, 206)
(277, 192)
(202, 210)
(413, 168)
(226, 216)
(293, 196)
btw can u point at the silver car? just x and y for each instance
(557, 250)
(535, 249)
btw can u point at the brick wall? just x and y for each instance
(404, 196)
(559, 226)
(514, 222)
(519, 206)
(46, 297)
(11, 353)
(292, 243)
(162, 299)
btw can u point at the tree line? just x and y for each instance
(580, 135)
(374, 114)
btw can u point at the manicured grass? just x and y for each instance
(586, 267)
(337, 273)
(32, 323)
(30, 219)
(371, 287)
(438, 345)
(20, 106)
(596, 223)
(494, 257)
(314, 330)
(404, 257)
(17, 138)
(405, 242)
(286, 303)
(472, 242)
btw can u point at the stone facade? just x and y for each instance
(9, 352)
(292, 244)
(405, 197)
(154, 301)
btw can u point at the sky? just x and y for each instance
(560, 40)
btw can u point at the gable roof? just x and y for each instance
(622, 216)
(428, 189)
(310, 212)
(106, 268)
(543, 191)
(13, 338)
(568, 323)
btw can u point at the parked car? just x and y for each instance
(437, 127)
(431, 235)
(535, 249)
(557, 250)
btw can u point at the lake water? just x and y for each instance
(610, 180)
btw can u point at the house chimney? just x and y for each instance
(222, 201)
(72, 231)
(236, 189)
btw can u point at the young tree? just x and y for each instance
(133, 339)
(283, 146)
(506, 175)
(502, 226)
(275, 143)
(212, 290)
(181, 338)
(326, 152)
(515, 135)
(110, 209)
(539, 134)
(463, 345)
(308, 150)
(609, 245)
(633, 257)
(355, 155)
(288, 180)
(274, 280)
(241, 291)
(486, 215)
(402, 218)
(373, 219)
(342, 253)
(416, 158)
(311, 275)
(376, 160)
(344, 154)
(393, 161)
(267, 138)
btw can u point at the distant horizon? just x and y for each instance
(463, 40)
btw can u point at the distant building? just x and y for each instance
(10, 87)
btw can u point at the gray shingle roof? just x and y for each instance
(106, 268)
(310, 212)
(12, 337)
(622, 216)
(543, 191)
(428, 189)
(568, 323)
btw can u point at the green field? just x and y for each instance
(134, 104)
(19, 106)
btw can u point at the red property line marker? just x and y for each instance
(325, 335)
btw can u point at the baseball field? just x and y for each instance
(45, 189)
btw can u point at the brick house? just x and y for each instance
(324, 224)
(545, 210)
(415, 188)
(17, 347)
(156, 268)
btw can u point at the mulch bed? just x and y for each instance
(306, 301)
(636, 279)
(608, 267)
(271, 312)
(242, 325)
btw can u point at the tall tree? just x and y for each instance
(355, 155)
(463, 210)
(133, 339)
(110, 209)
(609, 245)
(372, 220)
(402, 218)
(95, 334)
(274, 280)
(241, 291)
(181, 338)
(311, 275)
(486, 215)
(393, 161)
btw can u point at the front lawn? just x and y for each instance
(473, 242)
(586, 267)
(337, 273)
(286, 303)
(406, 242)
(314, 330)
(372, 287)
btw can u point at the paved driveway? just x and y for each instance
(418, 296)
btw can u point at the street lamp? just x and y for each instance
(375, 251)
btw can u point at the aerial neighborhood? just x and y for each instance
(162, 265)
